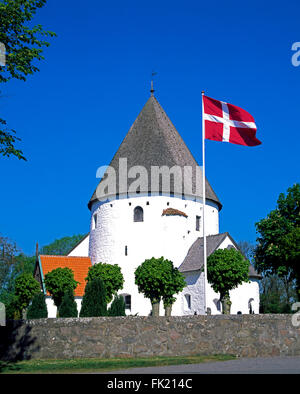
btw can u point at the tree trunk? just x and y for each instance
(168, 310)
(155, 308)
(226, 304)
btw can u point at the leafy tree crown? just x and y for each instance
(58, 281)
(25, 288)
(23, 47)
(226, 269)
(157, 278)
(277, 250)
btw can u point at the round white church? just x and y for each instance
(149, 203)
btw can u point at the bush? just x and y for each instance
(94, 299)
(38, 308)
(11, 309)
(117, 307)
(111, 276)
(68, 306)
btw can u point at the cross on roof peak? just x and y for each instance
(152, 89)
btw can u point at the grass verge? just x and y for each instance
(88, 365)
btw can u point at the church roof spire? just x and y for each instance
(153, 140)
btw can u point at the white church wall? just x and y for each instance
(243, 295)
(82, 249)
(116, 234)
(52, 309)
(239, 296)
(157, 234)
(191, 299)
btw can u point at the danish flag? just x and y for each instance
(228, 123)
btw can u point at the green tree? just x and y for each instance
(110, 274)
(13, 263)
(226, 269)
(278, 251)
(157, 279)
(25, 289)
(62, 246)
(117, 307)
(94, 299)
(68, 306)
(23, 46)
(38, 308)
(273, 297)
(58, 281)
(21, 264)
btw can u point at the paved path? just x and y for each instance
(259, 365)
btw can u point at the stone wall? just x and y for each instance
(241, 335)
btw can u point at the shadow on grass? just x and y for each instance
(8, 366)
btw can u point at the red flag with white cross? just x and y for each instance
(228, 123)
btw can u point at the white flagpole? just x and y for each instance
(203, 214)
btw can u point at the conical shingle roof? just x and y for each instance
(153, 141)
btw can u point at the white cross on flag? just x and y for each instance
(228, 123)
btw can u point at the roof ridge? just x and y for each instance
(69, 257)
(214, 235)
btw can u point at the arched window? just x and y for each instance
(250, 305)
(138, 214)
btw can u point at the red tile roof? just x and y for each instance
(79, 266)
(173, 212)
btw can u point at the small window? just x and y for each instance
(198, 223)
(138, 214)
(95, 221)
(127, 300)
(188, 301)
(217, 303)
(250, 305)
(126, 250)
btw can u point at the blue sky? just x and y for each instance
(73, 114)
